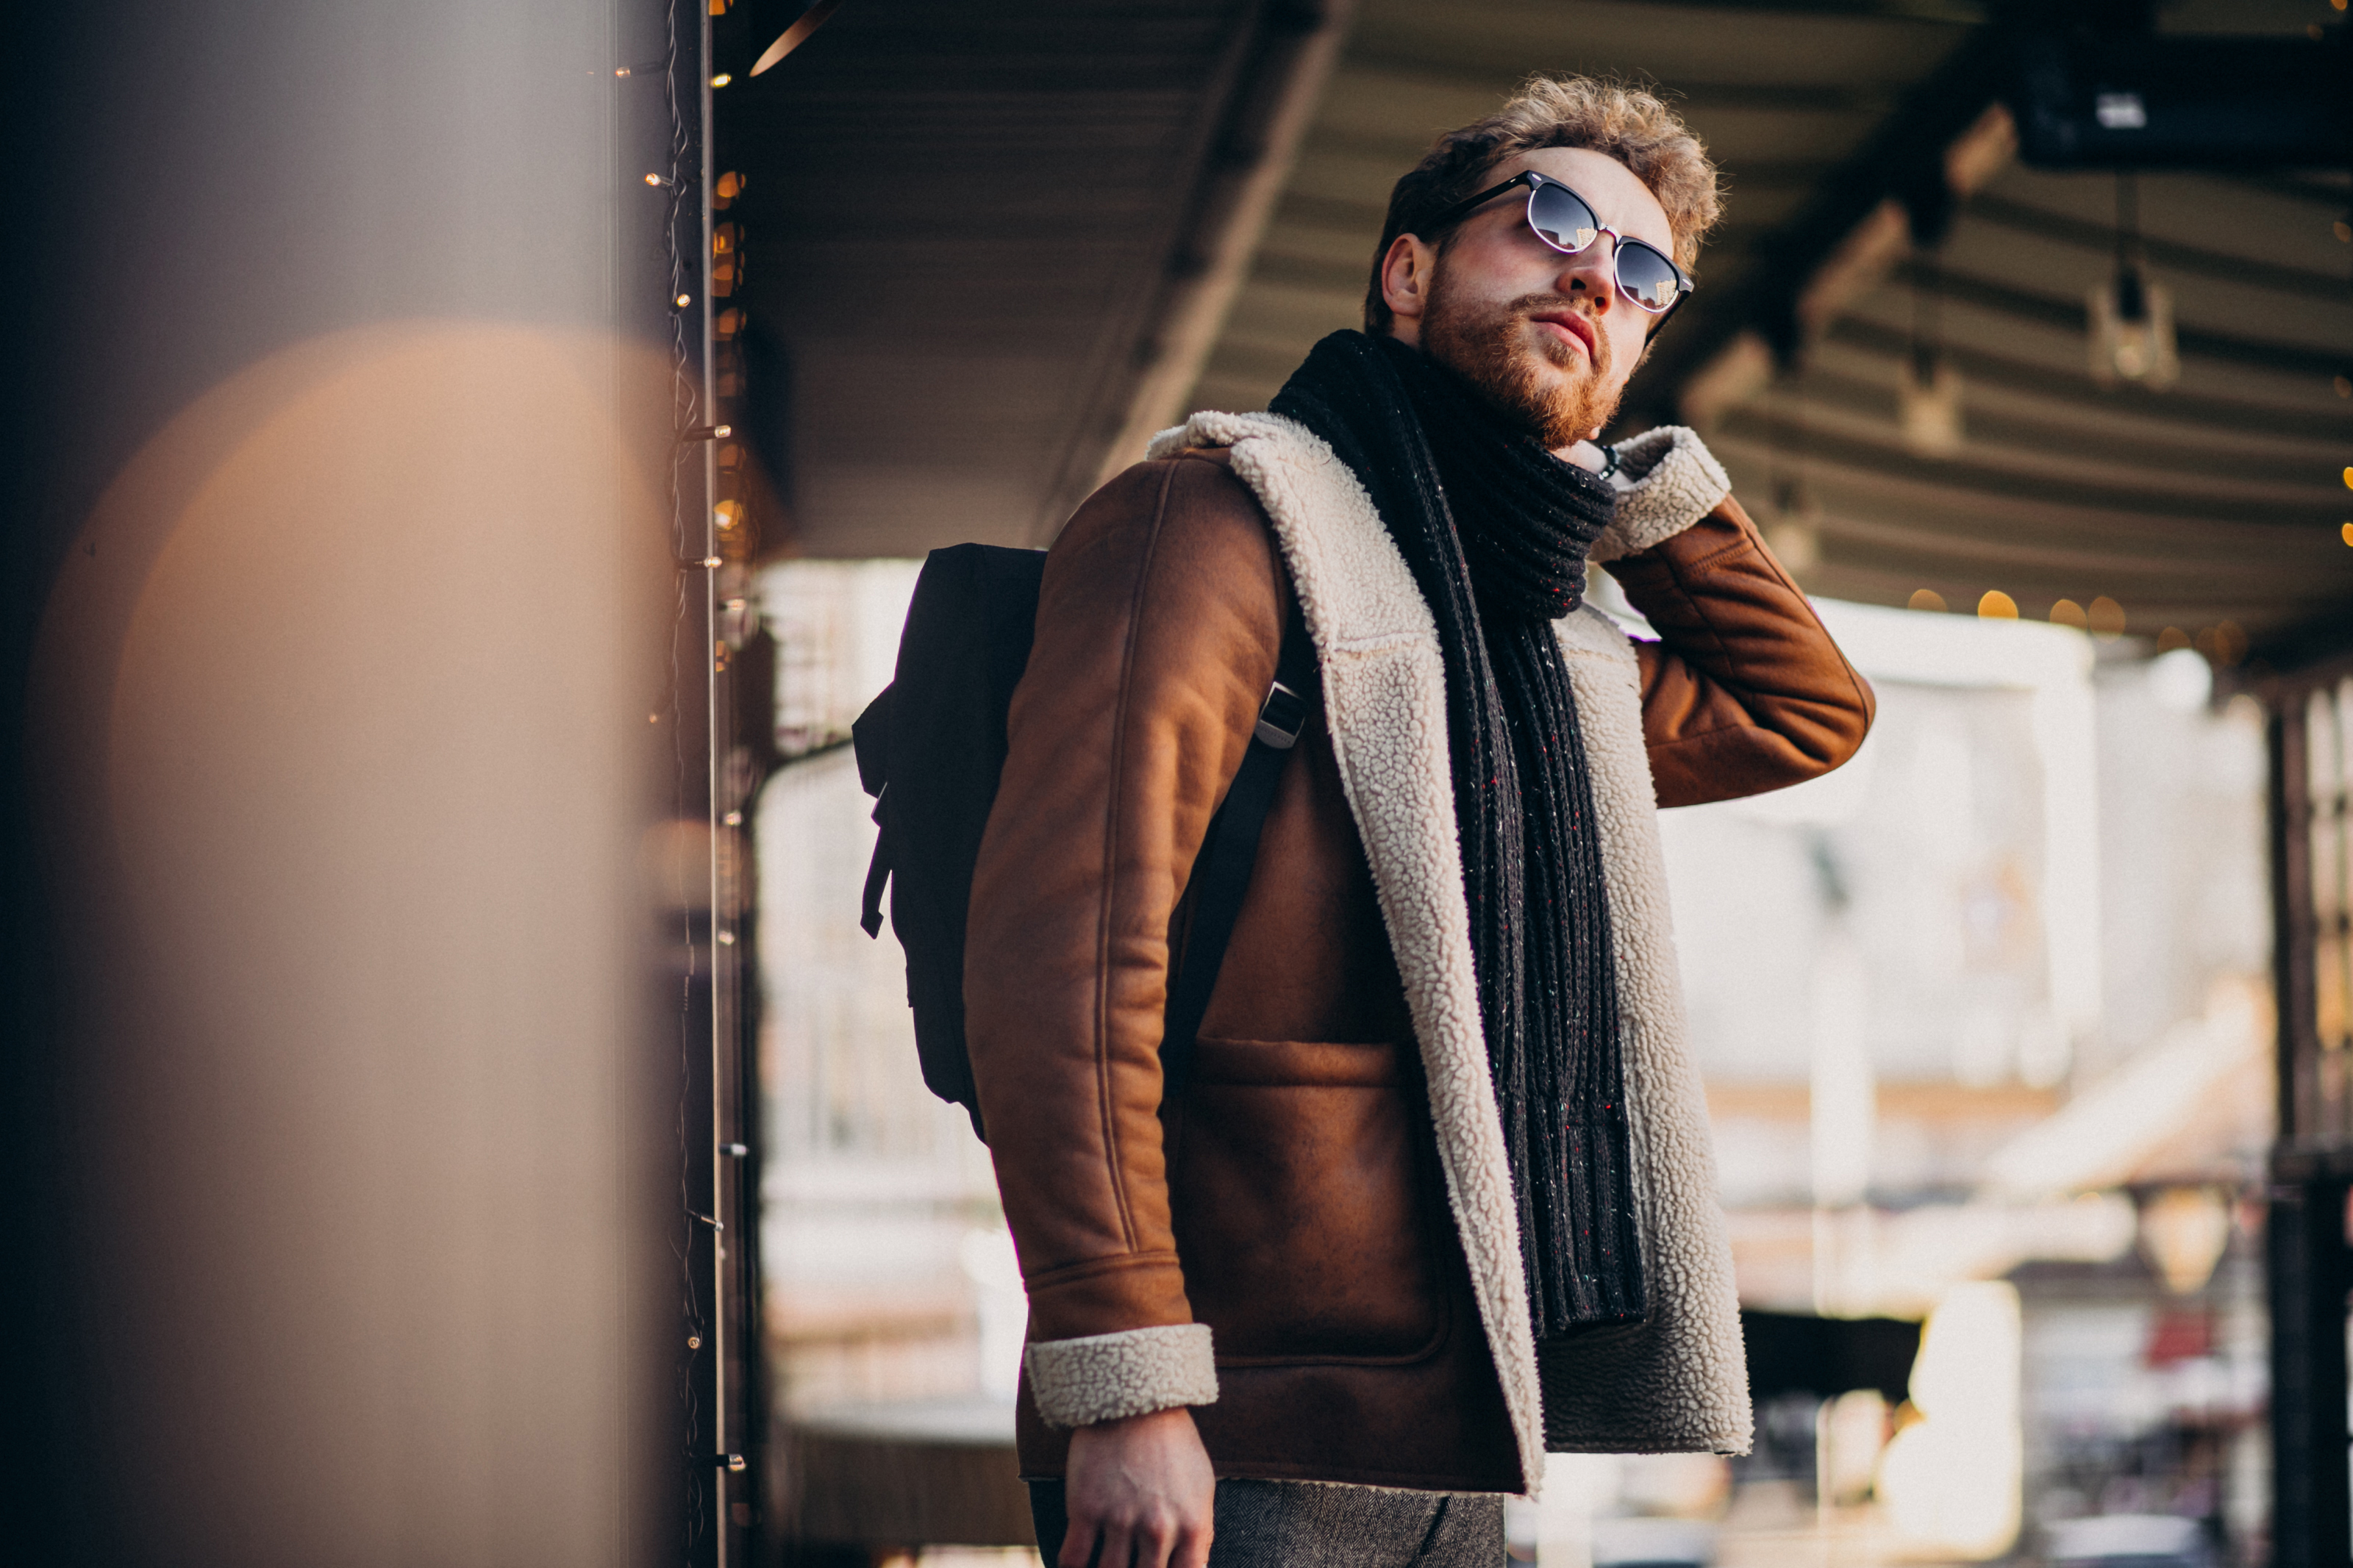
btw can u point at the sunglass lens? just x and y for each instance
(1648, 276)
(1561, 219)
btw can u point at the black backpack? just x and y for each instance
(931, 749)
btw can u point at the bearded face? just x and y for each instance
(1544, 385)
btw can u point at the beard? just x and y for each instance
(1492, 348)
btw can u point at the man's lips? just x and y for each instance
(1570, 326)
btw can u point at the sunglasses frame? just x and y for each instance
(1618, 242)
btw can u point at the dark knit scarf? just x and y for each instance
(1495, 529)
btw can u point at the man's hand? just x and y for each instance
(1143, 1487)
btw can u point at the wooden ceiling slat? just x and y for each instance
(1984, 469)
(1996, 427)
(2318, 423)
(2134, 540)
(2020, 217)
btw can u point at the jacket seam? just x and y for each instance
(1089, 1269)
(1104, 1106)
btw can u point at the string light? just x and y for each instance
(656, 180)
(722, 79)
(1926, 599)
(1997, 605)
(684, 300)
(685, 411)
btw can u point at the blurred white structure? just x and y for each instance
(1951, 1481)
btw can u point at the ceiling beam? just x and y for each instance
(1858, 219)
(1248, 158)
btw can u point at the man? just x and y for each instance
(1436, 1194)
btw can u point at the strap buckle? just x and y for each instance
(1281, 718)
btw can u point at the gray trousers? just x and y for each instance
(1315, 1524)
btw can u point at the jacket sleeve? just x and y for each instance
(1745, 692)
(1158, 624)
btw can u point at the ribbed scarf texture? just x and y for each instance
(1495, 529)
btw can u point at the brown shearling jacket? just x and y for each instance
(1291, 1201)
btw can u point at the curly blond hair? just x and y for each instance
(1630, 124)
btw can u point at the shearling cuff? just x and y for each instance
(1677, 482)
(1104, 1377)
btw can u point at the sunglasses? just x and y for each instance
(1563, 220)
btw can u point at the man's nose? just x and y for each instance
(1591, 271)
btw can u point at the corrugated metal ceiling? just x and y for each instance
(2217, 500)
(963, 225)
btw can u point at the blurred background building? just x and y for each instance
(476, 1093)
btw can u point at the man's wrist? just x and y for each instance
(1122, 1425)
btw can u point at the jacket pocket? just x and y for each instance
(1300, 1197)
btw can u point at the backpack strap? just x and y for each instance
(1223, 870)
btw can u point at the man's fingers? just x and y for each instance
(1155, 1539)
(1118, 1545)
(1078, 1546)
(1193, 1547)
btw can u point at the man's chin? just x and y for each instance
(1556, 402)
(1530, 377)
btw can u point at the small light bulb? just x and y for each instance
(722, 79)
(684, 300)
(735, 818)
(695, 1341)
(727, 938)
(656, 180)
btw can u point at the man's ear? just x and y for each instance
(1407, 272)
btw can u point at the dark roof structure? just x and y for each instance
(997, 249)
